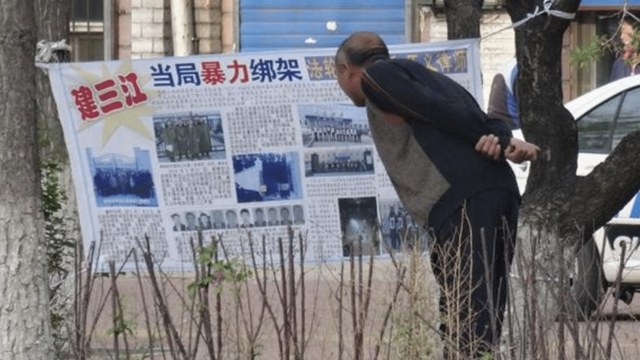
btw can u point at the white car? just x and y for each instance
(604, 116)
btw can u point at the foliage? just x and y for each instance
(121, 326)
(597, 46)
(59, 248)
(218, 271)
(412, 338)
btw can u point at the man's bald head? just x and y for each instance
(361, 48)
(356, 52)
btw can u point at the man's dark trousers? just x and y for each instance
(471, 258)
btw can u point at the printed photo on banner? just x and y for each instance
(358, 222)
(285, 215)
(196, 220)
(243, 218)
(267, 177)
(218, 221)
(279, 216)
(231, 218)
(121, 180)
(291, 215)
(204, 221)
(259, 217)
(189, 137)
(399, 231)
(333, 125)
(338, 162)
(298, 215)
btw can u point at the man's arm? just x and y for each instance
(518, 150)
(408, 90)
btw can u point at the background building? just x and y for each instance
(120, 29)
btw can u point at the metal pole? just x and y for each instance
(181, 28)
(195, 40)
(107, 29)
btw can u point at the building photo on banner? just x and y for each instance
(235, 146)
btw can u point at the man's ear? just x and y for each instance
(353, 73)
(343, 70)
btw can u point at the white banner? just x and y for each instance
(233, 145)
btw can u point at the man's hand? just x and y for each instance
(489, 147)
(518, 150)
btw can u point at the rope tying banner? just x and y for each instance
(537, 12)
(51, 51)
(546, 10)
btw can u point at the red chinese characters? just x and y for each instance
(108, 96)
(85, 103)
(131, 90)
(212, 73)
(239, 70)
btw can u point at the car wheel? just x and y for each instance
(587, 283)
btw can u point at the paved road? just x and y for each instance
(321, 286)
(625, 320)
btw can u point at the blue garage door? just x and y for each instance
(284, 24)
(609, 4)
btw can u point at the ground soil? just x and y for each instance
(326, 329)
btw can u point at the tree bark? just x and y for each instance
(463, 18)
(543, 254)
(24, 316)
(52, 19)
(52, 23)
(544, 119)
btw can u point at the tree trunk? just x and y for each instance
(24, 320)
(52, 19)
(544, 253)
(463, 18)
(560, 211)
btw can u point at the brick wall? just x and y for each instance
(150, 28)
(208, 17)
(496, 49)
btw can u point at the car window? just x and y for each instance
(629, 117)
(595, 128)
